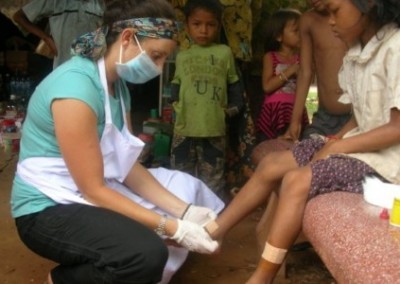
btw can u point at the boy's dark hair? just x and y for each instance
(382, 12)
(276, 25)
(212, 6)
(118, 10)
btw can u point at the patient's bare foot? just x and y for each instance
(211, 229)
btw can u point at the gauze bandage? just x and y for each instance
(273, 254)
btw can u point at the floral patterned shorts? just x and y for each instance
(335, 173)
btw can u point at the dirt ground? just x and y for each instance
(233, 265)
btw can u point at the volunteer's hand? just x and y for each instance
(199, 215)
(194, 238)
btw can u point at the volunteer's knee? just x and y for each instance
(154, 259)
(143, 265)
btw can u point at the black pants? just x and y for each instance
(94, 245)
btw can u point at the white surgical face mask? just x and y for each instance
(139, 69)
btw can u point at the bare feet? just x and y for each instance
(264, 273)
(254, 280)
(211, 227)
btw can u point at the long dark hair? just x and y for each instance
(382, 12)
(212, 6)
(275, 26)
(117, 10)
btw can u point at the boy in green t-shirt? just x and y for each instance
(205, 89)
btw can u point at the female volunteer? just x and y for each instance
(79, 196)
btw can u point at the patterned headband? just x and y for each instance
(149, 27)
(93, 44)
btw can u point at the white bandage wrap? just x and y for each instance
(273, 254)
(211, 227)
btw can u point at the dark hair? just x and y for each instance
(118, 10)
(212, 6)
(275, 26)
(381, 12)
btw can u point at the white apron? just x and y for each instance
(120, 151)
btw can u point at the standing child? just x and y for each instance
(279, 74)
(206, 89)
(369, 144)
(321, 55)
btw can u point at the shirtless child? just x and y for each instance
(321, 52)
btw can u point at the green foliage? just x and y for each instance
(312, 103)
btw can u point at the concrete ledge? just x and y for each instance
(353, 242)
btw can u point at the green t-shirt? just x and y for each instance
(78, 79)
(203, 74)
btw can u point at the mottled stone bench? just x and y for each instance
(354, 243)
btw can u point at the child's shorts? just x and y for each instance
(335, 173)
